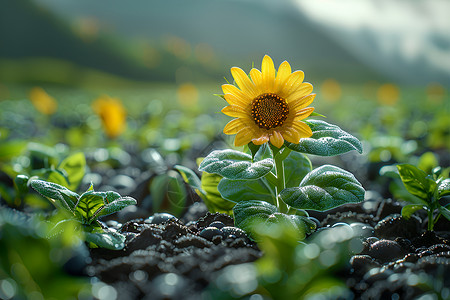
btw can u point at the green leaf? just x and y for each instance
(115, 206)
(192, 179)
(10, 149)
(74, 167)
(408, 210)
(444, 188)
(300, 225)
(90, 204)
(416, 182)
(327, 140)
(427, 162)
(213, 200)
(248, 214)
(63, 197)
(445, 212)
(168, 193)
(253, 149)
(235, 165)
(108, 239)
(324, 188)
(52, 175)
(296, 166)
(242, 190)
(253, 215)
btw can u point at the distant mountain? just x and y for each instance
(30, 31)
(238, 32)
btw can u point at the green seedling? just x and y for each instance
(277, 185)
(86, 209)
(427, 191)
(274, 185)
(38, 161)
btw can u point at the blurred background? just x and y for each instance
(155, 65)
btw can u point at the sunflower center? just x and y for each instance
(269, 110)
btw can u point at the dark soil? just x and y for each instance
(168, 258)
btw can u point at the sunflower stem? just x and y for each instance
(281, 184)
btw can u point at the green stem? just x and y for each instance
(272, 178)
(279, 167)
(430, 220)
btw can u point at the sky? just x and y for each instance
(408, 39)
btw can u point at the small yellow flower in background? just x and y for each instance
(42, 101)
(388, 94)
(436, 93)
(112, 113)
(330, 90)
(268, 106)
(187, 95)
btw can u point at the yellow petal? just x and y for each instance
(243, 137)
(291, 135)
(261, 140)
(294, 80)
(304, 89)
(232, 99)
(303, 113)
(234, 126)
(304, 130)
(256, 76)
(235, 111)
(244, 83)
(231, 89)
(303, 102)
(268, 73)
(282, 76)
(276, 139)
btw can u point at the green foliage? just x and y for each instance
(235, 165)
(168, 191)
(39, 161)
(250, 215)
(32, 264)
(327, 140)
(86, 209)
(427, 189)
(324, 188)
(207, 189)
(47, 164)
(274, 185)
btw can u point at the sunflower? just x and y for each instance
(268, 105)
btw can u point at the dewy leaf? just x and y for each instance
(416, 181)
(408, 210)
(445, 212)
(74, 166)
(296, 166)
(242, 190)
(63, 196)
(293, 222)
(248, 214)
(327, 140)
(107, 239)
(324, 188)
(444, 188)
(89, 204)
(115, 206)
(235, 165)
(213, 200)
